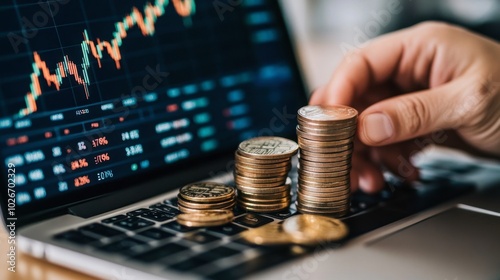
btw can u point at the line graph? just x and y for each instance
(66, 68)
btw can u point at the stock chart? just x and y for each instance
(94, 91)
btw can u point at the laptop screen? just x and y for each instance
(93, 93)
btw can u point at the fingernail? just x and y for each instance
(378, 127)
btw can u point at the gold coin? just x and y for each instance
(305, 173)
(325, 137)
(326, 150)
(239, 183)
(191, 210)
(328, 130)
(325, 180)
(206, 218)
(239, 158)
(333, 205)
(327, 114)
(261, 174)
(281, 165)
(324, 169)
(320, 209)
(323, 197)
(312, 229)
(265, 189)
(270, 234)
(264, 201)
(328, 124)
(268, 196)
(263, 208)
(331, 128)
(203, 224)
(316, 191)
(206, 192)
(327, 158)
(268, 147)
(203, 206)
(332, 156)
(306, 142)
(334, 214)
(262, 168)
(241, 179)
(314, 182)
(324, 190)
(304, 162)
(342, 190)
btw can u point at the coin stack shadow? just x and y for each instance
(263, 184)
(325, 149)
(198, 197)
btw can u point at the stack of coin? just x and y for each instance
(203, 196)
(261, 173)
(325, 135)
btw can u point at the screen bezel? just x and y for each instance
(37, 211)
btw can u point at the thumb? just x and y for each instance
(410, 115)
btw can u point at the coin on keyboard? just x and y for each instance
(268, 147)
(206, 192)
(208, 218)
(313, 229)
(270, 234)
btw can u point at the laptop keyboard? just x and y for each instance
(151, 235)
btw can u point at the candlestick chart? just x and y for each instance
(143, 19)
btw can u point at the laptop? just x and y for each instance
(107, 108)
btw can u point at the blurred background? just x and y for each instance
(324, 30)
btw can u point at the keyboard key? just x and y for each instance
(76, 237)
(229, 229)
(218, 253)
(274, 257)
(174, 225)
(172, 201)
(160, 252)
(165, 208)
(243, 242)
(157, 215)
(101, 230)
(204, 258)
(252, 220)
(201, 238)
(138, 212)
(189, 264)
(156, 234)
(133, 223)
(114, 219)
(124, 244)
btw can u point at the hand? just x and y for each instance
(431, 83)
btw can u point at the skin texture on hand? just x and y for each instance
(430, 83)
